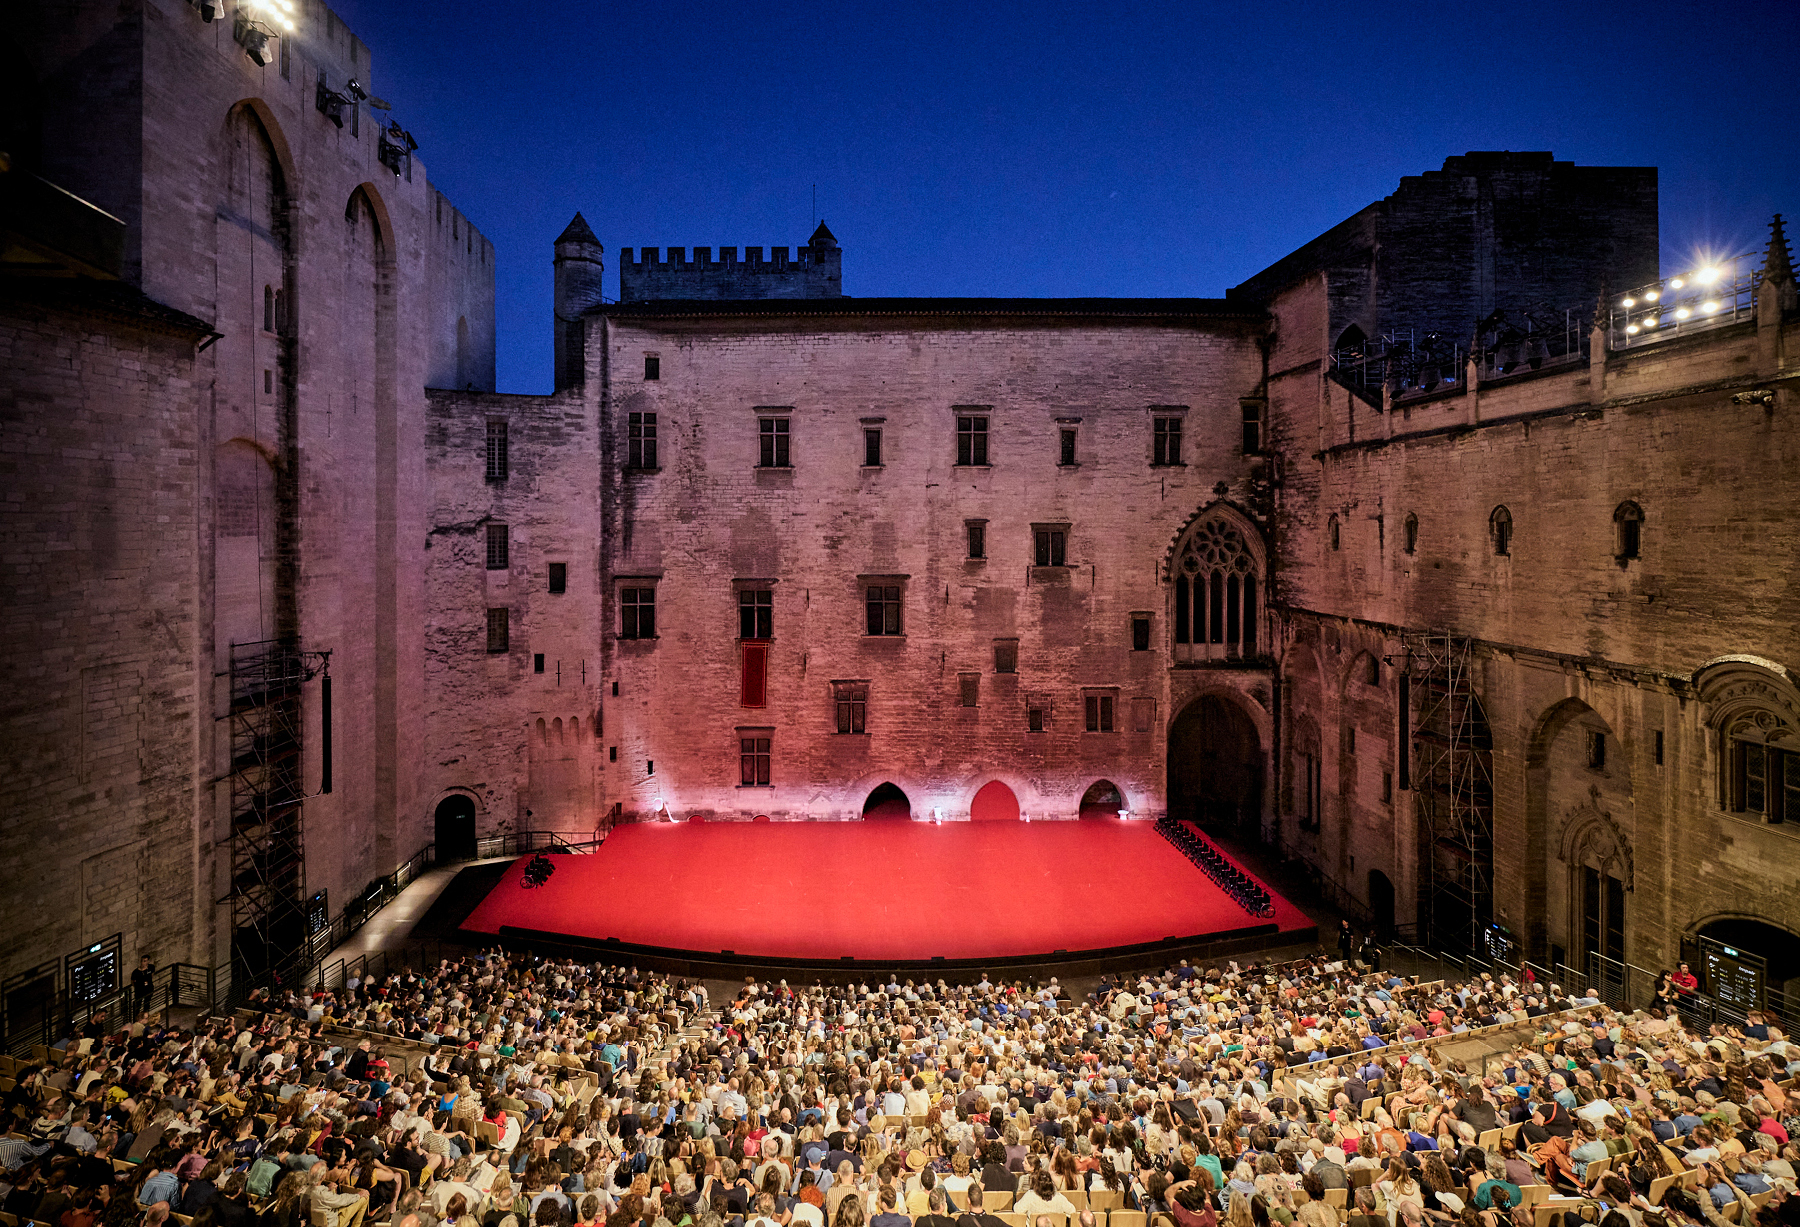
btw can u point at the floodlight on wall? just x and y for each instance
(253, 38)
(330, 103)
(211, 10)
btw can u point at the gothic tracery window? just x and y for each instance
(1216, 572)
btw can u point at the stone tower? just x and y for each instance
(578, 271)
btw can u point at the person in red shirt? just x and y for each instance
(1684, 980)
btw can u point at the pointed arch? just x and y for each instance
(272, 132)
(368, 197)
(1590, 836)
(1215, 570)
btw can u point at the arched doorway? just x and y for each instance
(994, 803)
(456, 828)
(1381, 902)
(1216, 766)
(887, 801)
(1103, 800)
(1741, 940)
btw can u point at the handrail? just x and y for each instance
(195, 986)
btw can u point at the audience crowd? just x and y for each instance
(502, 1090)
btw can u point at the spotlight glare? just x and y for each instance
(1676, 283)
(1682, 313)
(1707, 276)
(1629, 302)
(1710, 307)
(1631, 329)
(1651, 296)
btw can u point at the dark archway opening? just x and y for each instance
(1103, 800)
(455, 829)
(1216, 767)
(1778, 949)
(887, 801)
(994, 803)
(1381, 903)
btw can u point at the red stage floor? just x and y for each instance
(877, 890)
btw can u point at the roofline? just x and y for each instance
(1108, 308)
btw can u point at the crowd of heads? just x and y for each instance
(498, 1087)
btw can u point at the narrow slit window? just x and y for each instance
(498, 454)
(872, 447)
(1066, 449)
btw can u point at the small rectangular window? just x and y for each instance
(497, 454)
(1347, 738)
(972, 440)
(499, 547)
(1140, 632)
(1050, 544)
(773, 434)
(872, 446)
(1656, 749)
(1066, 455)
(851, 700)
(1099, 713)
(268, 382)
(1253, 422)
(884, 609)
(286, 61)
(537, 662)
(637, 613)
(1387, 787)
(640, 437)
(756, 614)
(969, 684)
(1037, 709)
(559, 577)
(753, 753)
(1166, 441)
(1596, 750)
(1006, 656)
(977, 539)
(498, 636)
(652, 366)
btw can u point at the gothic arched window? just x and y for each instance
(1216, 572)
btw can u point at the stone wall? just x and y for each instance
(510, 736)
(104, 687)
(340, 289)
(1569, 638)
(1489, 230)
(709, 521)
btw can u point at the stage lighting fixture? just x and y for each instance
(537, 871)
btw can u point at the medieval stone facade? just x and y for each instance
(234, 456)
(770, 552)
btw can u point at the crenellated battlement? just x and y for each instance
(813, 270)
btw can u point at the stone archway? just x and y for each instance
(994, 802)
(1381, 902)
(1103, 800)
(887, 801)
(1216, 766)
(455, 828)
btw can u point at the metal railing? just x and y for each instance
(1417, 363)
(1717, 292)
(193, 986)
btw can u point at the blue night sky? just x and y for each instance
(1051, 149)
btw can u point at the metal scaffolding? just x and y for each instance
(1453, 783)
(268, 834)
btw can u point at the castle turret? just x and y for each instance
(578, 271)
